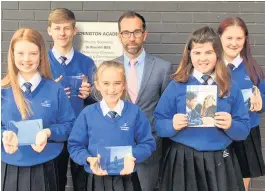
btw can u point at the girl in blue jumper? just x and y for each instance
(112, 122)
(28, 93)
(248, 75)
(200, 158)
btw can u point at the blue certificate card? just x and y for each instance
(112, 158)
(26, 130)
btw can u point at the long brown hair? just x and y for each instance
(11, 80)
(204, 35)
(254, 70)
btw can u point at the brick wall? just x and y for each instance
(168, 23)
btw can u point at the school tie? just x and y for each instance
(63, 58)
(231, 66)
(133, 81)
(205, 79)
(27, 86)
(112, 114)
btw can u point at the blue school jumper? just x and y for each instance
(80, 64)
(91, 126)
(240, 76)
(53, 107)
(173, 101)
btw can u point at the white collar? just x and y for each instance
(69, 55)
(105, 108)
(35, 80)
(236, 62)
(198, 75)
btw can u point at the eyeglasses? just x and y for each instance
(136, 34)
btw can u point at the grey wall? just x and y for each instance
(168, 23)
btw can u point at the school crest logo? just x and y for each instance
(247, 78)
(125, 127)
(46, 103)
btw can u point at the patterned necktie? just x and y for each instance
(231, 66)
(112, 114)
(133, 81)
(27, 86)
(63, 58)
(205, 79)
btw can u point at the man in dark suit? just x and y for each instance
(147, 78)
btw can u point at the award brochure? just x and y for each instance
(26, 130)
(201, 102)
(72, 82)
(112, 158)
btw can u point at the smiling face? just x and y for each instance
(132, 45)
(26, 57)
(111, 85)
(203, 57)
(62, 34)
(233, 40)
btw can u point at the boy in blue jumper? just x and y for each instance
(65, 62)
(25, 97)
(116, 123)
(249, 76)
(194, 116)
(200, 158)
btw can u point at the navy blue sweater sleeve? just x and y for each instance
(164, 112)
(145, 142)
(261, 87)
(78, 140)
(240, 126)
(65, 118)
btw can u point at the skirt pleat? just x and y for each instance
(113, 183)
(210, 171)
(185, 169)
(24, 179)
(249, 154)
(42, 177)
(11, 183)
(199, 169)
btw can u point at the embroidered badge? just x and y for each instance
(125, 127)
(46, 103)
(247, 78)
